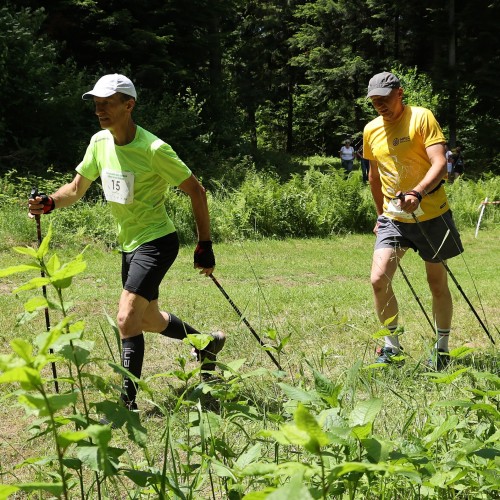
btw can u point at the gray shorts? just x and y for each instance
(395, 234)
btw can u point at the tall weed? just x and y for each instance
(466, 197)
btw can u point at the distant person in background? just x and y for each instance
(347, 157)
(449, 163)
(457, 160)
(365, 164)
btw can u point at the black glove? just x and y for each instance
(204, 255)
(47, 201)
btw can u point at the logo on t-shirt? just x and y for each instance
(399, 140)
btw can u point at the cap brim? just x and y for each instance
(382, 92)
(93, 93)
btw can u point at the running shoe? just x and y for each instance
(386, 356)
(439, 360)
(208, 356)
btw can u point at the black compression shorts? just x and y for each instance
(144, 268)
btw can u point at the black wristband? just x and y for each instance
(416, 194)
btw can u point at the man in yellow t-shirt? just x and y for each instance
(135, 168)
(405, 146)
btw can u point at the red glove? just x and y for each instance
(48, 203)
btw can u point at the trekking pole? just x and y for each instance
(254, 333)
(34, 194)
(416, 297)
(448, 270)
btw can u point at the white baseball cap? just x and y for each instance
(111, 84)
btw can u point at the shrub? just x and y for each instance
(309, 204)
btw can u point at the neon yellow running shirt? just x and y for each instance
(399, 149)
(135, 178)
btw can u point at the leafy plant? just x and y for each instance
(368, 433)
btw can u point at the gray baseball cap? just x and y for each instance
(382, 84)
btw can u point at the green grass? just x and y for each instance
(314, 290)
(312, 295)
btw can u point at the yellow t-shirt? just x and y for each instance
(399, 148)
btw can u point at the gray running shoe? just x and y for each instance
(386, 355)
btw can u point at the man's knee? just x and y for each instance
(126, 323)
(122, 318)
(438, 287)
(130, 313)
(380, 283)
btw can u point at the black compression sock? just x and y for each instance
(177, 329)
(132, 358)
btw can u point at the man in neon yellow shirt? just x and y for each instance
(135, 168)
(405, 146)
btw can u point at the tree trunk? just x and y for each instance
(452, 74)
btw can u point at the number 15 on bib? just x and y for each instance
(118, 186)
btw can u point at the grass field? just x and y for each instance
(317, 292)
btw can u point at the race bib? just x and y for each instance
(396, 211)
(118, 186)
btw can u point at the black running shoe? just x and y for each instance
(439, 360)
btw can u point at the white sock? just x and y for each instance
(392, 341)
(443, 336)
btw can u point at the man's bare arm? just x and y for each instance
(437, 171)
(196, 192)
(64, 197)
(376, 187)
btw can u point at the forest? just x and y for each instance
(243, 82)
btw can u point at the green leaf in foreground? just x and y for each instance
(44, 245)
(297, 394)
(327, 389)
(305, 421)
(6, 491)
(25, 251)
(365, 412)
(62, 278)
(18, 269)
(446, 378)
(295, 489)
(53, 488)
(29, 378)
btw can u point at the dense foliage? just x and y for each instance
(317, 203)
(225, 80)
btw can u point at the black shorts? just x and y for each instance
(144, 268)
(441, 231)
